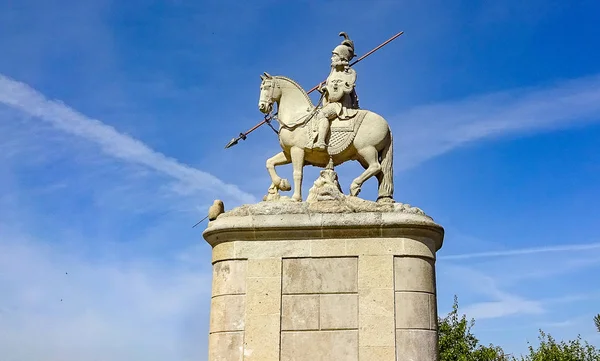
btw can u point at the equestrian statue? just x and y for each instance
(329, 134)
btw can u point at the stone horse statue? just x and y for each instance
(366, 138)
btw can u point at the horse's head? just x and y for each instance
(270, 92)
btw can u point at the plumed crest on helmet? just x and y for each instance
(347, 41)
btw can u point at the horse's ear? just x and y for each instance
(262, 77)
(267, 75)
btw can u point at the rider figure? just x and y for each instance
(339, 94)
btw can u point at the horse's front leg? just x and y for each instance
(297, 155)
(279, 159)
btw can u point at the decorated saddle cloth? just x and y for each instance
(341, 132)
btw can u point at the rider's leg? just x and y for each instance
(327, 113)
(323, 131)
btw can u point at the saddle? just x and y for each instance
(341, 132)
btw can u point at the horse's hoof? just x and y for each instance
(354, 189)
(285, 185)
(297, 198)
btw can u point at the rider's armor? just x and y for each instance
(339, 94)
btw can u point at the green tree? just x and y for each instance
(457, 342)
(551, 350)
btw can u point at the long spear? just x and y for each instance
(267, 120)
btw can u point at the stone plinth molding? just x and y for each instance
(295, 284)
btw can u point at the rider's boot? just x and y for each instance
(323, 129)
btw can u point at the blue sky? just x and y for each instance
(113, 118)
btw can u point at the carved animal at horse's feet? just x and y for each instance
(272, 194)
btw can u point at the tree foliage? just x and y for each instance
(458, 343)
(551, 350)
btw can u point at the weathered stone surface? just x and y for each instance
(223, 251)
(414, 274)
(264, 267)
(419, 247)
(261, 339)
(338, 311)
(348, 205)
(434, 316)
(263, 295)
(319, 346)
(299, 312)
(375, 271)
(377, 302)
(303, 224)
(377, 353)
(417, 345)
(302, 275)
(263, 309)
(225, 346)
(328, 248)
(229, 278)
(376, 330)
(319, 275)
(414, 310)
(227, 313)
(272, 249)
(325, 188)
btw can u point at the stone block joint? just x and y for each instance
(318, 286)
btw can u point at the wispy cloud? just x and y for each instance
(503, 303)
(521, 282)
(502, 308)
(21, 96)
(524, 251)
(431, 130)
(57, 304)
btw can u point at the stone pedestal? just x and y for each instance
(324, 281)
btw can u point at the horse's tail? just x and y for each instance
(386, 177)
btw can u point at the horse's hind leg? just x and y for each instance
(279, 159)
(370, 160)
(298, 164)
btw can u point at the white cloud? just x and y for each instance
(506, 307)
(427, 131)
(521, 282)
(57, 304)
(20, 96)
(524, 251)
(498, 301)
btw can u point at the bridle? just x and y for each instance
(270, 98)
(271, 102)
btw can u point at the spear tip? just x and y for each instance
(231, 143)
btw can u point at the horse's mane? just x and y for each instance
(297, 86)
